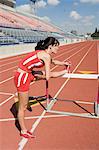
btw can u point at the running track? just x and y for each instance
(54, 132)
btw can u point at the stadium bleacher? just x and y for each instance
(16, 28)
(19, 27)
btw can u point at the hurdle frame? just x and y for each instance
(50, 102)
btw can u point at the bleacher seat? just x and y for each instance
(16, 28)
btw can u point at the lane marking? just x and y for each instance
(70, 56)
(36, 117)
(24, 140)
(87, 72)
(28, 118)
(6, 100)
(6, 80)
(6, 93)
(8, 69)
(10, 63)
(7, 59)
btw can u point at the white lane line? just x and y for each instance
(72, 48)
(35, 117)
(23, 142)
(6, 80)
(9, 94)
(32, 117)
(10, 63)
(13, 95)
(6, 100)
(8, 59)
(6, 93)
(8, 69)
(70, 56)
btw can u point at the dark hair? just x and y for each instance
(44, 44)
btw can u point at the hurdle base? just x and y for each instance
(96, 109)
(83, 115)
(53, 100)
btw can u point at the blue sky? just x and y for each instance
(79, 15)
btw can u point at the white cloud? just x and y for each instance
(75, 4)
(41, 3)
(90, 1)
(24, 8)
(87, 20)
(53, 2)
(75, 15)
(27, 7)
(45, 18)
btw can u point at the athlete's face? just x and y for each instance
(54, 48)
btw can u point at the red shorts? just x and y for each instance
(22, 81)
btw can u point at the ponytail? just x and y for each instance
(40, 45)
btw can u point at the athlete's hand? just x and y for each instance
(67, 63)
(36, 73)
(39, 75)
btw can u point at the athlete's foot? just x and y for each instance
(26, 134)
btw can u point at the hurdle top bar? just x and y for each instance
(81, 76)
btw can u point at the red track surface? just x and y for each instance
(54, 133)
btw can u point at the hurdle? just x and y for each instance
(96, 104)
(51, 101)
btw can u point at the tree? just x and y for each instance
(95, 35)
(96, 30)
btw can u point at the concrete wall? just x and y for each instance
(12, 50)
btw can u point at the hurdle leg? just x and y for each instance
(47, 95)
(96, 104)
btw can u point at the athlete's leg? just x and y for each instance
(23, 101)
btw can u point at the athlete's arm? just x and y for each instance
(47, 60)
(57, 62)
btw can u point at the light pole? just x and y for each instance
(33, 5)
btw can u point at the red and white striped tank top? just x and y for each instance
(31, 61)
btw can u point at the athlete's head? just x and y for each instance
(50, 44)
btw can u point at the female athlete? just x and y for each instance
(23, 76)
